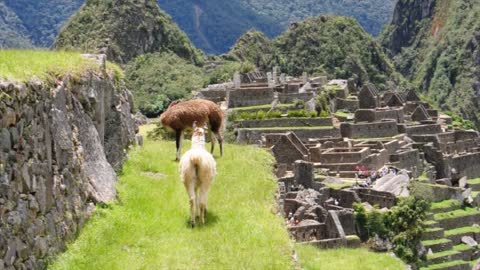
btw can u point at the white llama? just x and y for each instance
(197, 170)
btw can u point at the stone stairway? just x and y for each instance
(446, 226)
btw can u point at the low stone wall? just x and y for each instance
(423, 129)
(350, 105)
(369, 130)
(284, 122)
(249, 97)
(290, 98)
(376, 115)
(374, 197)
(59, 146)
(215, 95)
(253, 136)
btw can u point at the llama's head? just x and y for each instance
(198, 137)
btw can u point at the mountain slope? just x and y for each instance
(12, 32)
(212, 25)
(333, 45)
(43, 18)
(124, 29)
(438, 48)
(215, 25)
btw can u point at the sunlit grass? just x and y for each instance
(22, 65)
(358, 259)
(148, 228)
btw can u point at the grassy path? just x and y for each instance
(148, 227)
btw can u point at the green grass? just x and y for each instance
(461, 247)
(474, 181)
(21, 65)
(339, 186)
(260, 107)
(442, 265)
(435, 241)
(445, 204)
(290, 128)
(342, 114)
(456, 213)
(462, 230)
(358, 259)
(148, 228)
(441, 254)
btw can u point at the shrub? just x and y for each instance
(402, 225)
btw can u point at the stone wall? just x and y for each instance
(59, 148)
(369, 130)
(253, 136)
(249, 97)
(285, 122)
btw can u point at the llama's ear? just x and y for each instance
(205, 126)
(194, 124)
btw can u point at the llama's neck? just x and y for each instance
(198, 142)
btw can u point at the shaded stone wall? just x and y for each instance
(249, 97)
(369, 130)
(59, 148)
(285, 122)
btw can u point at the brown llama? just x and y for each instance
(181, 115)
(197, 170)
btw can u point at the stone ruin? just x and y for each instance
(392, 135)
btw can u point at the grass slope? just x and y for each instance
(358, 259)
(21, 65)
(148, 227)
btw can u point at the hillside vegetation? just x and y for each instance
(157, 79)
(439, 51)
(123, 30)
(327, 44)
(38, 21)
(12, 32)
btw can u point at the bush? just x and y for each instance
(402, 225)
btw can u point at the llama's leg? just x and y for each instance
(178, 141)
(190, 186)
(220, 142)
(212, 141)
(203, 201)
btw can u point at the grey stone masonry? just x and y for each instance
(59, 148)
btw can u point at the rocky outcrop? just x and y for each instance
(408, 18)
(436, 44)
(60, 144)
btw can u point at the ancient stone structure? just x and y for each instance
(60, 145)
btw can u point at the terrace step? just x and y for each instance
(453, 265)
(444, 256)
(433, 233)
(431, 224)
(455, 235)
(458, 218)
(445, 206)
(438, 245)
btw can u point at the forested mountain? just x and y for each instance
(38, 20)
(212, 25)
(215, 25)
(436, 44)
(123, 30)
(12, 31)
(327, 44)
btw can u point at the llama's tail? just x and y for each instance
(197, 164)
